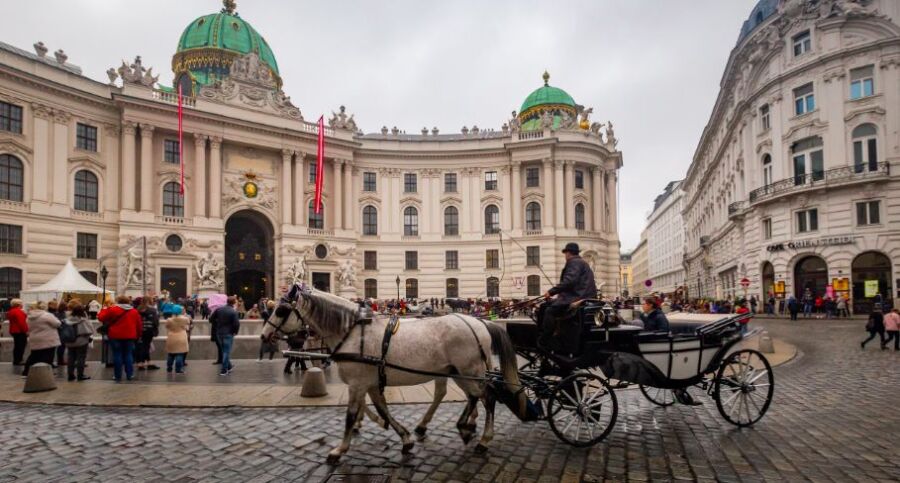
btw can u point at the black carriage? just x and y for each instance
(575, 390)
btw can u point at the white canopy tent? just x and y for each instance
(67, 281)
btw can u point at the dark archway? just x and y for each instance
(871, 267)
(768, 280)
(249, 256)
(810, 273)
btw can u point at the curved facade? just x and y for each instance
(792, 185)
(87, 169)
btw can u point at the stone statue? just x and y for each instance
(134, 269)
(611, 135)
(136, 73)
(296, 272)
(596, 127)
(514, 122)
(113, 75)
(209, 272)
(546, 120)
(585, 121)
(566, 120)
(347, 275)
(340, 120)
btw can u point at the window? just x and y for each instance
(767, 170)
(862, 82)
(534, 285)
(371, 288)
(452, 288)
(86, 137)
(174, 243)
(533, 216)
(493, 287)
(532, 177)
(579, 216)
(412, 260)
(412, 288)
(804, 99)
(451, 221)
(370, 260)
(868, 213)
(767, 228)
(10, 118)
(410, 221)
(802, 43)
(86, 246)
(368, 181)
(10, 239)
(316, 220)
(10, 282)
(12, 178)
(313, 169)
(809, 162)
(579, 179)
(451, 260)
(173, 200)
(450, 182)
(865, 148)
(172, 152)
(764, 120)
(409, 183)
(492, 258)
(370, 220)
(533, 256)
(490, 180)
(807, 220)
(491, 220)
(86, 188)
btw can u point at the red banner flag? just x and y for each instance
(180, 137)
(320, 165)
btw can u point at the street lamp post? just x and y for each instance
(104, 346)
(103, 274)
(398, 288)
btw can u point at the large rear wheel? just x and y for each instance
(583, 409)
(658, 396)
(744, 387)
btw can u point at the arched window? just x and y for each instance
(86, 189)
(412, 288)
(579, 216)
(865, 149)
(12, 178)
(491, 220)
(533, 216)
(493, 287)
(10, 282)
(534, 285)
(316, 220)
(452, 288)
(451, 221)
(410, 221)
(173, 200)
(767, 169)
(371, 288)
(370, 220)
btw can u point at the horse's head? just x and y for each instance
(283, 322)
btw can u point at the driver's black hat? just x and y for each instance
(571, 248)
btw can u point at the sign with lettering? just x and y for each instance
(841, 284)
(779, 287)
(813, 243)
(870, 288)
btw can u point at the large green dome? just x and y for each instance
(546, 95)
(546, 99)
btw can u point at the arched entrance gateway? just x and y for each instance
(249, 256)
(871, 272)
(810, 273)
(768, 281)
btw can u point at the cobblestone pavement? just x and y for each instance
(834, 418)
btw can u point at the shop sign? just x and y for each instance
(841, 284)
(870, 288)
(821, 242)
(779, 287)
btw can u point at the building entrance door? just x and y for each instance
(810, 273)
(174, 281)
(875, 269)
(249, 256)
(321, 281)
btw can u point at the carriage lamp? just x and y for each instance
(398, 287)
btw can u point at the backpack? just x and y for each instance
(67, 333)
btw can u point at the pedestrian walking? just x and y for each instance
(892, 329)
(43, 335)
(18, 330)
(177, 343)
(227, 325)
(842, 306)
(94, 308)
(296, 342)
(793, 306)
(149, 330)
(808, 303)
(53, 307)
(124, 326)
(875, 326)
(83, 330)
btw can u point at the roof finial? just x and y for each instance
(546, 76)
(230, 6)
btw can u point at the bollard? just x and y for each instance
(766, 346)
(314, 383)
(40, 378)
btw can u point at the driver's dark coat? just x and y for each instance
(575, 283)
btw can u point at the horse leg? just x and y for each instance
(355, 402)
(464, 425)
(382, 408)
(440, 390)
(490, 403)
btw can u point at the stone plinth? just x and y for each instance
(40, 378)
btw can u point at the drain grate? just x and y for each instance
(357, 478)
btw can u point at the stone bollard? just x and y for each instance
(766, 346)
(314, 383)
(40, 378)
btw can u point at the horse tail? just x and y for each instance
(502, 346)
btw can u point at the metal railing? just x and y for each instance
(832, 177)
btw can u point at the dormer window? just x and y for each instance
(802, 43)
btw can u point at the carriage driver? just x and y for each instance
(576, 283)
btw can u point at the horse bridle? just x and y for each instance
(278, 327)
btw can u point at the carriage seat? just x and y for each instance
(684, 328)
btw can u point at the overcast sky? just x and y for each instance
(651, 66)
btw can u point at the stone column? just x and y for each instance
(300, 212)
(59, 172)
(110, 157)
(611, 194)
(560, 200)
(337, 195)
(148, 186)
(215, 177)
(40, 168)
(547, 184)
(348, 195)
(200, 174)
(506, 180)
(569, 174)
(516, 198)
(129, 167)
(597, 199)
(286, 189)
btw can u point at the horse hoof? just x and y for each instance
(480, 449)
(355, 430)
(407, 448)
(333, 459)
(466, 438)
(420, 430)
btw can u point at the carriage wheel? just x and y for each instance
(583, 409)
(658, 396)
(743, 387)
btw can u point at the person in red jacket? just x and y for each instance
(124, 326)
(18, 329)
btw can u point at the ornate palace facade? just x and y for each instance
(89, 170)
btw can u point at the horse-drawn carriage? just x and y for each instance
(574, 392)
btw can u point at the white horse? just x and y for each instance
(452, 345)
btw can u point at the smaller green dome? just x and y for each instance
(547, 95)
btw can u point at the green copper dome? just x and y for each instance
(547, 95)
(545, 99)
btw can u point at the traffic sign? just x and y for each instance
(648, 283)
(745, 282)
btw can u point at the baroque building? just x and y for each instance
(792, 186)
(90, 170)
(665, 242)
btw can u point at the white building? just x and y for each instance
(665, 241)
(791, 185)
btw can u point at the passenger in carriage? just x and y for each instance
(575, 283)
(653, 317)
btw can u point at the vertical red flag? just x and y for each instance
(180, 137)
(320, 165)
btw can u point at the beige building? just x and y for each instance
(791, 185)
(625, 274)
(90, 169)
(640, 269)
